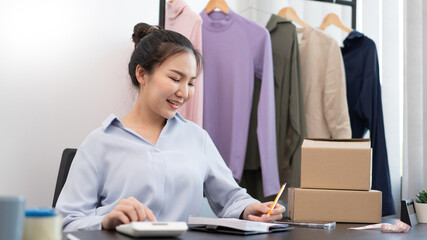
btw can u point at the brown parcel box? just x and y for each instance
(336, 164)
(306, 205)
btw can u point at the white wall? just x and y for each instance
(415, 101)
(392, 94)
(63, 71)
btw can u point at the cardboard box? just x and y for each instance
(336, 164)
(313, 205)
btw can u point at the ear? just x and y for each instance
(141, 75)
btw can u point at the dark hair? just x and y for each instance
(153, 46)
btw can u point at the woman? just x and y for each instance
(153, 164)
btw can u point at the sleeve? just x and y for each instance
(225, 196)
(196, 34)
(296, 104)
(335, 97)
(369, 108)
(197, 101)
(78, 199)
(297, 114)
(266, 129)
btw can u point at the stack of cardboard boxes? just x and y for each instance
(335, 183)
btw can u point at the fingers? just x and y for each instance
(113, 219)
(265, 207)
(138, 208)
(256, 218)
(261, 208)
(265, 218)
(276, 213)
(274, 217)
(119, 218)
(259, 212)
(150, 214)
(141, 211)
(130, 208)
(126, 211)
(278, 209)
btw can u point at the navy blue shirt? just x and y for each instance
(365, 108)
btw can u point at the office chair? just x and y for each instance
(66, 160)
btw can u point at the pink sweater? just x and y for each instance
(180, 18)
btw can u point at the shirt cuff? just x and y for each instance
(88, 223)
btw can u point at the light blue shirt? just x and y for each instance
(169, 177)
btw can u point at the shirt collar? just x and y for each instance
(175, 8)
(276, 20)
(113, 120)
(352, 37)
(109, 121)
(179, 117)
(217, 20)
(306, 33)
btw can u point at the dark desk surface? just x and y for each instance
(340, 232)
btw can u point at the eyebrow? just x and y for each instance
(181, 73)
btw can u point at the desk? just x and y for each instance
(340, 232)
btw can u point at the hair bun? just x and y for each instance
(141, 30)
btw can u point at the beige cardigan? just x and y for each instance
(324, 90)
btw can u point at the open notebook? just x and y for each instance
(234, 226)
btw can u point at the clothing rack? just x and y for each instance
(351, 3)
(162, 13)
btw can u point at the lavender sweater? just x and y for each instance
(235, 50)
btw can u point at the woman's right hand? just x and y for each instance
(126, 211)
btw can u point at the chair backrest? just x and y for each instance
(66, 160)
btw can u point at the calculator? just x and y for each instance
(153, 229)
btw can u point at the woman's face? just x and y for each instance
(170, 85)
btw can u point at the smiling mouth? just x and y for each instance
(174, 104)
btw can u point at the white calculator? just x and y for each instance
(153, 229)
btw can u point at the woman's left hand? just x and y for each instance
(258, 212)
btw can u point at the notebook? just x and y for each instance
(234, 226)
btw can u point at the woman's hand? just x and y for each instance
(258, 212)
(126, 211)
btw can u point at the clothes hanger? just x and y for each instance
(220, 4)
(289, 12)
(333, 19)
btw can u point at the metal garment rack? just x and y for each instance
(162, 13)
(351, 3)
